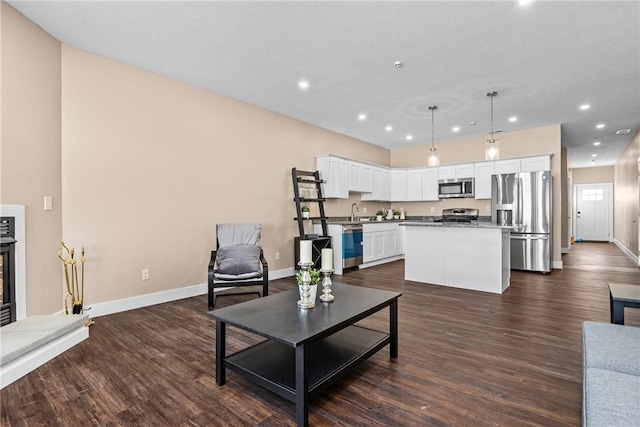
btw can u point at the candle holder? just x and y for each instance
(326, 286)
(305, 289)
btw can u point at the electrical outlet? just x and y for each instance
(364, 209)
(433, 209)
(488, 208)
(145, 274)
(277, 256)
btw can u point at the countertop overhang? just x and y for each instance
(477, 224)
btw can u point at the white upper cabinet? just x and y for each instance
(366, 179)
(465, 170)
(446, 172)
(355, 170)
(360, 177)
(430, 184)
(524, 164)
(385, 193)
(380, 183)
(398, 185)
(414, 185)
(483, 172)
(535, 164)
(335, 172)
(381, 186)
(507, 166)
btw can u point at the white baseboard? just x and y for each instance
(117, 306)
(21, 366)
(627, 252)
(381, 261)
(557, 265)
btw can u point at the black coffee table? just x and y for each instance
(306, 350)
(620, 296)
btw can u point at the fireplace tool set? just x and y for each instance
(75, 286)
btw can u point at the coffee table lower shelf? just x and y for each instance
(272, 365)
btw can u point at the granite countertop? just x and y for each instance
(474, 224)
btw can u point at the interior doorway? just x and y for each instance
(593, 212)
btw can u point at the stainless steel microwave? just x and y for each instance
(456, 188)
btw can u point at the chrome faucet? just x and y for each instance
(353, 217)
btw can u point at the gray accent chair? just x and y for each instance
(238, 261)
(611, 375)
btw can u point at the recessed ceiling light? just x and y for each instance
(303, 84)
(600, 125)
(513, 119)
(622, 131)
(455, 129)
(472, 123)
(362, 116)
(409, 137)
(594, 155)
(585, 107)
(524, 2)
(388, 128)
(596, 143)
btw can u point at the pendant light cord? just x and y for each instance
(492, 95)
(433, 126)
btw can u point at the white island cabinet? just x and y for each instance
(475, 256)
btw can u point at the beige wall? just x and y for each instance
(152, 164)
(512, 144)
(30, 150)
(595, 175)
(625, 226)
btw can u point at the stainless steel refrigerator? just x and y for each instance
(525, 201)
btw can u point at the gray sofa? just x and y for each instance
(611, 375)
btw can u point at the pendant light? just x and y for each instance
(492, 146)
(433, 159)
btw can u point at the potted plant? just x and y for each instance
(314, 274)
(396, 214)
(379, 215)
(305, 211)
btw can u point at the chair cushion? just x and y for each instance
(238, 260)
(611, 398)
(613, 347)
(238, 234)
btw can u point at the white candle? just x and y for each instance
(327, 259)
(305, 251)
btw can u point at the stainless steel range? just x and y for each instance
(459, 215)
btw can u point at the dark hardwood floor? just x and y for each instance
(466, 359)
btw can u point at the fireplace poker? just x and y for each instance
(66, 276)
(77, 301)
(82, 259)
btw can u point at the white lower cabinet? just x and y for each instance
(367, 247)
(379, 241)
(391, 243)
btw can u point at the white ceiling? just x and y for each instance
(545, 60)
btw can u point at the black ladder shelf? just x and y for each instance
(313, 182)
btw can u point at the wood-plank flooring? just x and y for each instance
(466, 359)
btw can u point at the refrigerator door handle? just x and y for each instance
(516, 237)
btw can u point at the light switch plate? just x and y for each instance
(48, 203)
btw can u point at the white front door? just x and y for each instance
(593, 212)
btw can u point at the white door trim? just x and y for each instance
(609, 186)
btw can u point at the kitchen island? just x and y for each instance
(463, 255)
